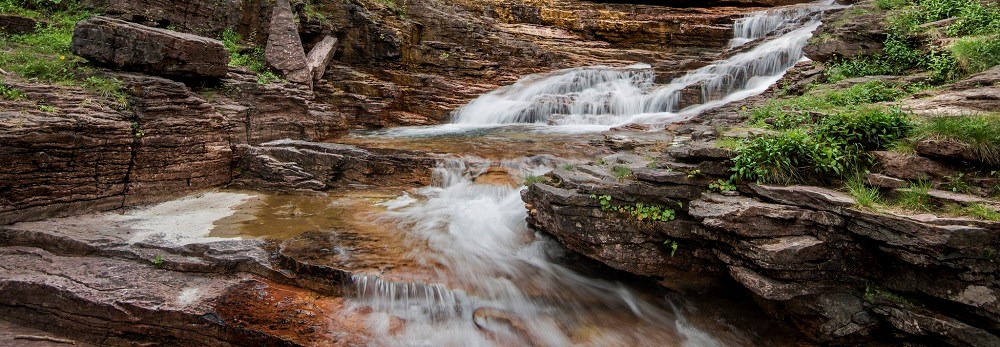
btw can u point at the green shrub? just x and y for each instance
(870, 129)
(780, 158)
(239, 56)
(831, 148)
(976, 19)
(803, 110)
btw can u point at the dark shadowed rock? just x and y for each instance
(949, 329)
(16, 25)
(208, 18)
(135, 47)
(284, 50)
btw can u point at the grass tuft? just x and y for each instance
(865, 196)
(981, 132)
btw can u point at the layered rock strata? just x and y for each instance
(839, 273)
(134, 47)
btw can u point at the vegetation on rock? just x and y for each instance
(946, 38)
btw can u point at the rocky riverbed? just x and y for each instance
(432, 172)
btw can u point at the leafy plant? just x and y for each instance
(46, 108)
(158, 261)
(673, 246)
(639, 211)
(137, 130)
(957, 183)
(11, 93)
(722, 185)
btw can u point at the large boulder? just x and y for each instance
(135, 47)
(284, 50)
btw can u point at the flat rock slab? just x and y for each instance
(806, 196)
(135, 47)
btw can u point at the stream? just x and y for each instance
(478, 275)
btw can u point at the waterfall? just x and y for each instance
(496, 281)
(613, 96)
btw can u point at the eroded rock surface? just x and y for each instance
(135, 47)
(284, 50)
(839, 273)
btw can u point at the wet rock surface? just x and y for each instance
(150, 276)
(839, 273)
(135, 47)
(293, 165)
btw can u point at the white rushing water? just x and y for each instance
(607, 96)
(496, 280)
(491, 279)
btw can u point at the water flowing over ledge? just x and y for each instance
(766, 44)
(496, 280)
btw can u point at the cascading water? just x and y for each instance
(615, 96)
(489, 279)
(496, 281)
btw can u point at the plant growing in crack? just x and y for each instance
(673, 246)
